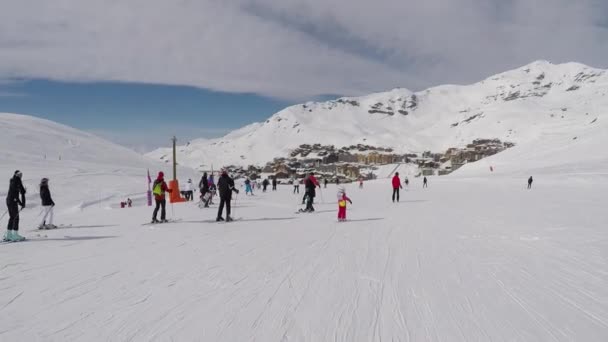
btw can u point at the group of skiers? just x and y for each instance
(15, 202)
(15, 199)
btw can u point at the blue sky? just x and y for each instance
(141, 116)
(132, 70)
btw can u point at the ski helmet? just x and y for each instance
(18, 174)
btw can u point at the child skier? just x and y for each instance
(47, 205)
(248, 189)
(342, 199)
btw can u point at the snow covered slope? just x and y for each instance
(524, 106)
(84, 170)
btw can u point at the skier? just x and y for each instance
(129, 203)
(203, 185)
(396, 186)
(337, 180)
(342, 199)
(158, 189)
(13, 202)
(47, 205)
(407, 182)
(310, 184)
(190, 189)
(212, 193)
(530, 180)
(265, 184)
(360, 183)
(226, 187)
(296, 185)
(425, 183)
(325, 181)
(248, 187)
(274, 183)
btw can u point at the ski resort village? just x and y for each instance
(303, 171)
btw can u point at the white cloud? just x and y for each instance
(294, 48)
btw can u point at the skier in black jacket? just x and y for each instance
(14, 199)
(47, 205)
(225, 186)
(204, 186)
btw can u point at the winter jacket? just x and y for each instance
(310, 186)
(274, 182)
(15, 190)
(45, 195)
(226, 186)
(314, 180)
(159, 189)
(396, 182)
(204, 184)
(342, 199)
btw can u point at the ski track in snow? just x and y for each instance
(463, 260)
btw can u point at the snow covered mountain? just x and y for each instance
(84, 170)
(525, 106)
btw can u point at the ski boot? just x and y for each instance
(16, 237)
(51, 226)
(8, 235)
(164, 221)
(154, 220)
(229, 219)
(219, 219)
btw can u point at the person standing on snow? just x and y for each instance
(158, 189)
(425, 183)
(274, 183)
(189, 190)
(265, 184)
(296, 185)
(325, 181)
(342, 199)
(47, 205)
(407, 182)
(14, 199)
(360, 183)
(226, 186)
(248, 187)
(310, 184)
(396, 186)
(530, 180)
(203, 185)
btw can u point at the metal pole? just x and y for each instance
(174, 158)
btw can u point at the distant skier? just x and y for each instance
(248, 189)
(274, 183)
(407, 182)
(265, 184)
(189, 190)
(396, 186)
(342, 199)
(203, 185)
(47, 205)
(337, 180)
(158, 189)
(14, 199)
(425, 183)
(225, 186)
(325, 183)
(310, 184)
(360, 183)
(296, 185)
(129, 203)
(530, 180)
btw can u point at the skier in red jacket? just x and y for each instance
(396, 186)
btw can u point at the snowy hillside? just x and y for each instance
(84, 170)
(524, 106)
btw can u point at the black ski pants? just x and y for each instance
(224, 201)
(309, 201)
(396, 193)
(13, 215)
(296, 188)
(160, 204)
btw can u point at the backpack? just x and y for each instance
(158, 189)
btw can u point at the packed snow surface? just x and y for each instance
(468, 259)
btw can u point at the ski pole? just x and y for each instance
(234, 209)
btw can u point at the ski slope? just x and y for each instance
(84, 170)
(468, 259)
